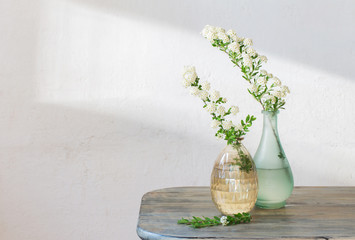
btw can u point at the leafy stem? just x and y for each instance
(201, 222)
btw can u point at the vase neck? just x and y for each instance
(270, 123)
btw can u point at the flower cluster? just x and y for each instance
(264, 87)
(224, 220)
(214, 104)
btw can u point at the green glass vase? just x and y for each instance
(274, 171)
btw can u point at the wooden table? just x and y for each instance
(310, 213)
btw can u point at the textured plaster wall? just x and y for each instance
(93, 114)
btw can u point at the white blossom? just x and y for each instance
(194, 91)
(206, 30)
(253, 87)
(215, 123)
(203, 95)
(263, 72)
(241, 39)
(262, 80)
(220, 136)
(190, 74)
(234, 110)
(277, 94)
(224, 220)
(219, 29)
(224, 37)
(186, 83)
(239, 127)
(277, 81)
(263, 58)
(189, 69)
(211, 107)
(270, 75)
(214, 96)
(247, 61)
(221, 111)
(205, 85)
(211, 36)
(224, 100)
(248, 42)
(285, 89)
(232, 34)
(227, 125)
(234, 47)
(251, 51)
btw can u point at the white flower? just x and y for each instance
(285, 89)
(205, 86)
(241, 39)
(277, 81)
(262, 80)
(206, 30)
(224, 37)
(227, 125)
(220, 136)
(215, 123)
(251, 51)
(248, 42)
(185, 83)
(224, 221)
(194, 91)
(214, 96)
(234, 110)
(270, 75)
(232, 34)
(263, 59)
(190, 77)
(211, 107)
(238, 127)
(211, 36)
(221, 111)
(203, 95)
(263, 72)
(253, 87)
(234, 47)
(189, 69)
(220, 30)
(190, 74)
(224, 100)
(247, 61)
(277, 94)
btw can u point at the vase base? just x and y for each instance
(268, 205)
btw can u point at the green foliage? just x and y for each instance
(244, 162)
(197, 222)
(234, 134)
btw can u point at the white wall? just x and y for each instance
(93, 114)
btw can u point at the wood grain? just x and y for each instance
(310, 213)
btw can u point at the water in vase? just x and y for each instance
(275, 186)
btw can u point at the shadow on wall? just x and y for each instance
(69, 161)
(314, 32)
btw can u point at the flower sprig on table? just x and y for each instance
(214, 104)
(264, 87)
(197, 222)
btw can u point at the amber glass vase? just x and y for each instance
(234, 182)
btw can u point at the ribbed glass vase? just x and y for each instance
(274, 172)
(233, 188)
